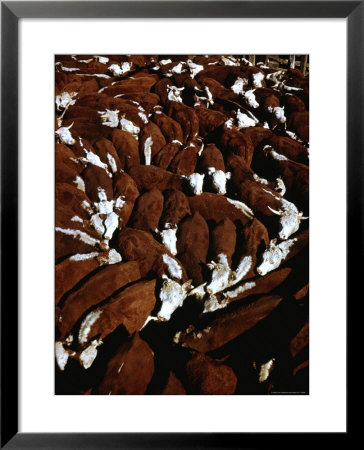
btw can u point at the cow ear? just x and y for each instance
(273, 241)
(228, 175)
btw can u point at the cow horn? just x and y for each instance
(70, 126)
(275, 212)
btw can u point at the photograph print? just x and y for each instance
(182, 224)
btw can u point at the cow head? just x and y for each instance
(250, 99)
(219, 179)
(109, 118)
(257, 79)
(174, 93)
(279, 114)
(169, 237)
(244, 120)
(195, 181)
(65, 135)
(238, 86)
(274, 254)
(194, 68)
(290, 219)
(172, 296)
(64, 100)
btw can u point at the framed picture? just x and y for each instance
(27, 210)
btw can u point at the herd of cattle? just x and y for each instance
(181, 239)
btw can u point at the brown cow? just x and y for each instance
(108, 155)
(299, 123)
(193, 245)
(165, 156)
(151, 140)
(148, 210)
(186, 117)
(125, 194)
(209, 119)
(127, 148)
(171, 129)
(153, 257)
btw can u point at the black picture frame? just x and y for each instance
(11, 12)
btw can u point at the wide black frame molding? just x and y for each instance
(11, 12)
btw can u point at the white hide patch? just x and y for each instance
(127, 125)
(223, 277)
(65, 99)
(169, 238)
(242, 206)
(258, 179)
(278, 156)
(238, 86)
(172, 296)
(102, 59)
(274, 255)
(212, 304)
(65, 135)
(198, 292)
(109, 118)
(178, 68)
(112, 163)
(86, 325)
(280, 186)
(120, 202)
(244, 120)
(62, 355)
(86, 206)
(126, 67)
(76, 219)
(163, 62)
(98, 75)
(230, 61)
(229, 124)
(257, 79)
(84, 237)
(174, 269)
(80, 184)
(279, 114)
(290, 88)
(94, 159)
(246, 61)
(250, 98)
(115, 69)
(142, 115)
(113, 257)
(265, 370)
(68, 69)
(105, 226)
(194, 68)
(148, 150)
(294, 136)
(88, 356)
(83, 256)
(239, 290)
